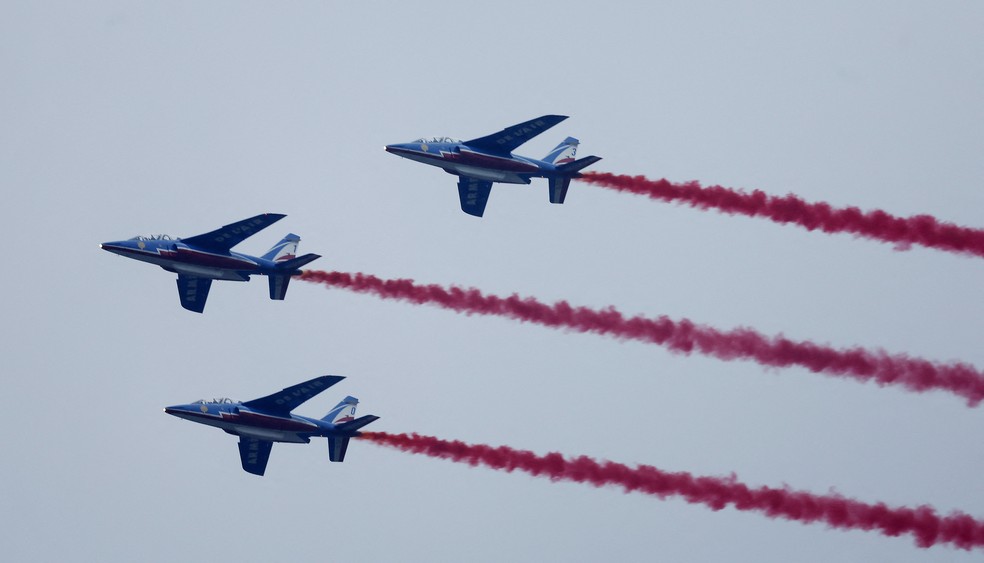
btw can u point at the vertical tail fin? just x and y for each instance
(567, 170)
(343, 417)
(284, 250)
(563, 153)
(342, 412)
(338, 443)
(284, 255)
(279, 282)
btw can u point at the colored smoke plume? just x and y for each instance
(923, 230)
(680, 336)
(923, 523)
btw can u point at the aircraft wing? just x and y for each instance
(509, 138)
(282, 402)
(474, 194)
(223, 239)
(254, 454)
(193, 292)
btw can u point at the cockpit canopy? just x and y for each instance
(219, 401)
(437, 140)
(154, 237)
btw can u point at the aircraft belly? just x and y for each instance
(267, 434)
(250, 431)
(489, 174)
(196, 271)
(205, 272)
(198, 265)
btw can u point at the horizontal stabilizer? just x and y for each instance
(354, 425)
(578, 165)
(296, 263)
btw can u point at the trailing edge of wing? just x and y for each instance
(474, 194)
(291, 397)
(509, 138)
(224, 238)
(193, 292)
(254, 454)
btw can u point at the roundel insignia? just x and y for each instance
(423, 147)
(204, 408)
(141, 244)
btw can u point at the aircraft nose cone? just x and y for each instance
(389, 148)
(110, 246)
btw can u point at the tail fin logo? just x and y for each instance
(563, 153)
(342, 412)
(284, 250)
(346, 417)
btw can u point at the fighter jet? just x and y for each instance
(480, 162)
(261, 422)
(200, 259)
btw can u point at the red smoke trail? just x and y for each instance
(681, 336)
(928, 527)
(924, 230)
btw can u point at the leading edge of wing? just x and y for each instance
(512, 137)
(228, 236)
(288, 399)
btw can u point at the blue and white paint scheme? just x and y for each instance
(261, 422)
(200, 259)
(480, 162)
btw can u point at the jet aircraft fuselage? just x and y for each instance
(202, 258)
(480, 162)
(175, 256)
(261, 422)
(234, 418)
(456, 157)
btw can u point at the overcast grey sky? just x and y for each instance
(125, 118)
